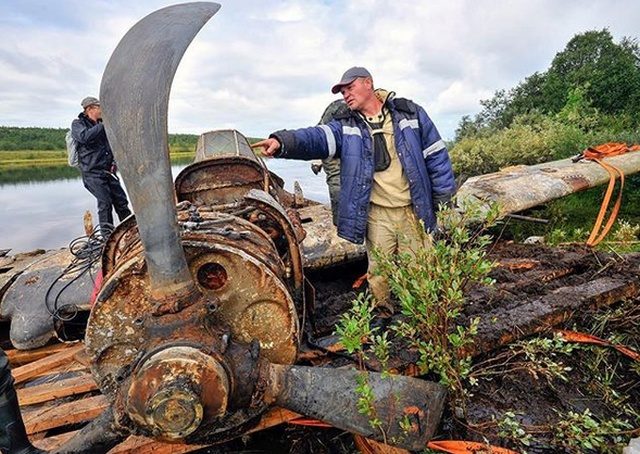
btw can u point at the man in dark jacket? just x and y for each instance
(97, 164)
(394, 173)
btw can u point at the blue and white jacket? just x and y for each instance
(421, 151)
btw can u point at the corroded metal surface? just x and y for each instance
(135, 95)
(322, 246)
(175, 389)
(41, 289)
(409, 409)
(224, 170)
(219, 181)
(522, 187)
(246, 306)
(11, 266)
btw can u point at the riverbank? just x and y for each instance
(53, 158)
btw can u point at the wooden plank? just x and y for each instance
(273, 417)
(62, 388)
(20, 357)
(54, 416)
(83, 358)
(132, 445)
(22, 373)
(143, 445)
(62, 369)
(51, 443)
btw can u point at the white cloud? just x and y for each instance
(265, 65)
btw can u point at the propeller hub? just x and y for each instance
(175, 389)
(174, 412)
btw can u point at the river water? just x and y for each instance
(49, 214)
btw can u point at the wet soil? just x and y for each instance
(597, 379)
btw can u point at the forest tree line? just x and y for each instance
(589, 95)
(32, 138)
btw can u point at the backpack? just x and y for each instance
(72, 150)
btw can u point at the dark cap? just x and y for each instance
(89, 101)
(349, 76)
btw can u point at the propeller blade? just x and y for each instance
(97, 437)
(135, 96)
(409, 409)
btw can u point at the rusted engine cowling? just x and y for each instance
(194, 372)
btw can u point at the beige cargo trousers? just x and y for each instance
(391, 231)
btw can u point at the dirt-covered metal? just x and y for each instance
(197, 321)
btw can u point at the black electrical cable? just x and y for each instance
(86, 250)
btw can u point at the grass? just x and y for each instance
(34, 158)
(45, 165)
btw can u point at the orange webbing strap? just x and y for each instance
(613, 171)
(606, 150)
(466, 447)
(596, 154)
(574, 336)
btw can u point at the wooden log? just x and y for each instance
(499, 327)
(517, 263)
(521, 187)
(62, 388)
(22, 373)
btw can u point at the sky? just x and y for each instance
(262, 65)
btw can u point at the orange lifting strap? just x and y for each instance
(596, 154)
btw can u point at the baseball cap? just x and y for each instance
(89, 101)
(349, 76)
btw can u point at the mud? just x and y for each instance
(598, 379)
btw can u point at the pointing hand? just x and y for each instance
(270, 146)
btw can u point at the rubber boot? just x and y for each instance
(13, 436)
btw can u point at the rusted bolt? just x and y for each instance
(212, 276)
(225, 342)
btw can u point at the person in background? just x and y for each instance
(13, 435)
(395, 169)
(97, 164)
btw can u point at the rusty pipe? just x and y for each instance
(135, 97)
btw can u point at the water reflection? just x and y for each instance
(47, 212)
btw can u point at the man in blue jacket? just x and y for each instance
(97, 164)
(395, 169)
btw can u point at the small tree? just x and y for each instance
(430, 284)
